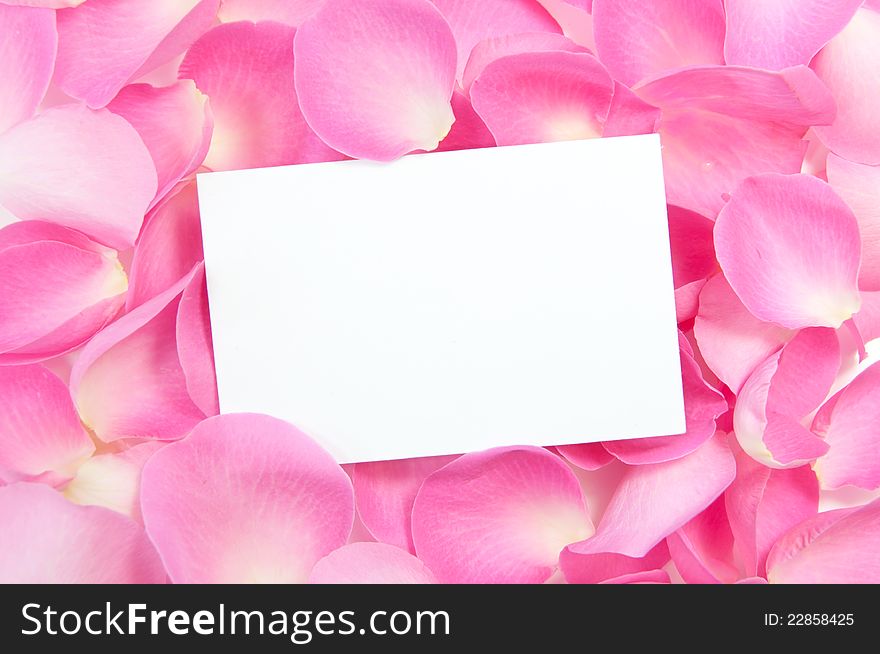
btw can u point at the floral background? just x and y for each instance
(114, 466)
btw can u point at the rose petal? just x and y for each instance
(385, 492)
(645, 577)
(597, 568)
(370, 563)
(195, 348)
(290, 12)
(99, 52)
(468, 131)
(790, 248)
(702, 550)
(638, 39)
(589, 456)
(723, 123)
(775, 35)
(499, 516)
(381, 91)
(693, 250)
(175, 124)
(47, 539)
(39, 429)
(245, 498)
(630, 115)
(27, 57)
(247, 71)
(51, 4)
(127, 381)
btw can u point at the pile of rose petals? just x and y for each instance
(114, 465)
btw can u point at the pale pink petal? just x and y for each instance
(867, 320)
(702, 404)
(850, 424)
(499, 516)
(112, 480)
(246, 70)
(168, 247)
(100, 50)
(46, 539)
(589, 456)
(790, 248)
(780, 393)
(385, 492)
(51, 4)
(39, 429)
(850, 66)
(370, 563)
(762, 504)
(127, 381)
(290, 12)
(245, 498)
(57, 289)
(859, 186)
(538, 97)
(638, 39)
(652, 501)
(595, 568)
(702, 550)
(775, 35)
(645, 577)
(472, 22)
(687, 301)
(575, 20)
(468, 131)
(374, 79)
(84, 169)
(487, 51)
(195, 348)
(721, 124)
(732, 341)
(838, 547)
(175, 124)
(630, 115)
(27, 57)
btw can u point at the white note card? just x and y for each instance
(448, 302)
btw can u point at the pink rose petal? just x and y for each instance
(57, 289)
(39, 429)
(588, 456)
(51, 4)
(723, 123)
(472, 22)
(246, 70)
(638, 39)
(790, 248)
(850, 66)
(370, 563)
(245, 498)
(84, 169)
(385, 492)
(195, 348)
(702, 550)
(629, 115)
(290, 12)
(128, 382)
(837, 547)
(693, 248)
(175, 124)
(47, 539)
(645, 577)
(27, 57)
(99, 50)
(597, 568)
(468, 131)
(374, 79)
(499, 516)
(537, 97)
(775, 35)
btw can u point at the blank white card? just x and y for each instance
(448, 302)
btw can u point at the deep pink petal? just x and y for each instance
(850, 66)
(468, 131)
(370, 563)
(374, 79)
(762, 504)
(630, 115)
(100, 50)
(472, 22)
(589, 456)
(498, 516)
(652, 501)
(39, 429)
(790, 248)
(732, 341)
(245, 498)
(84, 169)
(834, 547)
(385, 492)
(27, 57)
(638, 39)
(723, 123)
(595, 568)
(693, 250)
(246, 70)
(175, 124)
(127, 382)
(702, 550)
(645, 577)
(537, 97)
(775, 35)
(47, 539)
(290, 12)
(195, 348)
